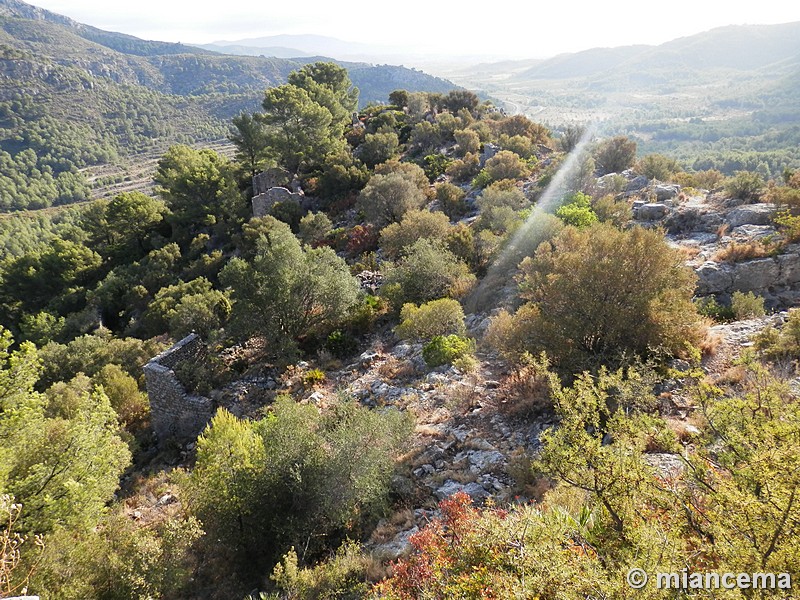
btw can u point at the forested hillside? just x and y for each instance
(724, 99)
(435, 351)
(73, 96)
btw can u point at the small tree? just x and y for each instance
(597, 294)
(615, 155)
(415, 225)
(286, 291)
(378, 148)
(386, 198)
(437, 317)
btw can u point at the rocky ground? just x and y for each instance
(467, 435)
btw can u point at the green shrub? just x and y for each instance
(437, 317)
(444, 349)
(744, 185)
(747, 305)
(586, 308)
(709, 307)
(577, 211)
(482, 179)
(451, 199)
(427, 271)
(341, 343)
(609, 210)
(780, 343)
(435, 165)
(313, 378)
(415, 225)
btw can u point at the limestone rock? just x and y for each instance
(666, 192)
(652, 212)
(751, 214)
(755, 275)
(713, 278)
(637, 183)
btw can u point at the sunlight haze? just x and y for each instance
(536, 30)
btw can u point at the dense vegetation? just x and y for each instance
(74, 96)
(280, 495)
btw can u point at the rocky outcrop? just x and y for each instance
(751, 214)
(770, 277)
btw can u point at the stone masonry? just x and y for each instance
(264, 202)
(175, 413)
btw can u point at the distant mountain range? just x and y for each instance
(738, 48)
(176, 68)
(73, 96)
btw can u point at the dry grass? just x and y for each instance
(741, 251)
(395, 369)
(525, 393)
(688, 252)
(710, 343)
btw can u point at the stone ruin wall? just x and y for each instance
(175, 413)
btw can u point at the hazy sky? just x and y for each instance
(533, 30)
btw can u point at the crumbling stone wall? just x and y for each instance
(174, 412)
(264, 202)
(274, 177)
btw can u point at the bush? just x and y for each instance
(312, 378)
(577, 211)
(506, 165)
(744, 186)
(615, 155)
(378, 148)
(781, 343)
(428, 271)
(657, 166)
(314, 227)
(468, 141)
(435, 165)
(415, 225)
(437, 317)
(709, 307)
(741, 251)
(445, 349)
(463, 170)
(386, 198)
(789, 225)
(287, 291)
(609, 210)
(597, 294)
(451, 200)
(321, 475)
(747, 306)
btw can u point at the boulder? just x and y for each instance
(713, 278)
(652, 212)
(752, 232)
(789, 265)
(751, 214)
(666, 192)
(755, 275)
(637, 183)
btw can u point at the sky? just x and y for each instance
(532, 30)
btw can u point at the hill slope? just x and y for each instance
(73, 96)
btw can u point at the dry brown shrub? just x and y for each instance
(741, 251)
